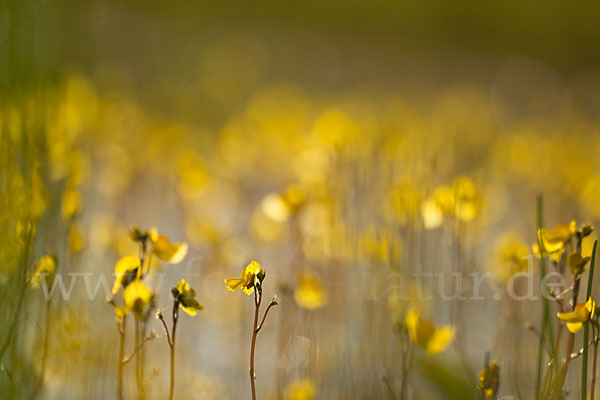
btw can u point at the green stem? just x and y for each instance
(586, 332)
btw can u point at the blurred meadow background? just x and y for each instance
(387, 164)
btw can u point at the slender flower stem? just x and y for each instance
(594, 360)
(120, 364)
(175, 317)
(257, 300)
(171, 342)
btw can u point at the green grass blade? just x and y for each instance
(587, 327)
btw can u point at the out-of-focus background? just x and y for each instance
(351, 148)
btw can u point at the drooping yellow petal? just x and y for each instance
(125, 271)
(440, 340)
(574, 327)
(579, 316)
(162, 248)
(234, 284)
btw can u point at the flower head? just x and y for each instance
(577, 263)
(138, 299)
(424, 334)
(489, 380)
(186, 298)
(252, 276)
(162, 247)
(309, 293)
(553, 240)
(579, 316)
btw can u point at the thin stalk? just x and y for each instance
(175, 317)
(137, 359)
(171, 342)
(120, 365)
(257, 301)
(593, 385)
(586, 333)
(546, 325)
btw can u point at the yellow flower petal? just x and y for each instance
(234, 284)
(440, 340)
(125, 271)
(172, 253)
(574, 327)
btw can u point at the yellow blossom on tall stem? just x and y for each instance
(250, 281)
(184, 297)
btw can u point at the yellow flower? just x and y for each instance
(71, 203)
(185, 297)
(577, 263)
(251, 276)
(126, 270)
(46, 269)
(300, 390)
(511, 257)
(467, 199)
(138, 299)
(424, 334)
(489, 380)
(309, 294)
(555, 256)
(555, 239)
(165, 250)
(579, 316)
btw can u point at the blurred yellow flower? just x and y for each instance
(489, 380)
(511, 257)
(71, 203)
(45, 270)
(251, 276)
(467, 199)
(309, 293)
(432, 214)
(126, 270)
(186, 298)
(577, 263)
(554, 240)
(138, 299)
(165, 250)
(555, 256)
(579, 316)
(424, 334)
(300, 390)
